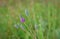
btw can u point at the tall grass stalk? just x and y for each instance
(49, 21)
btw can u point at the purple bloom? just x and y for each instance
(22, 20)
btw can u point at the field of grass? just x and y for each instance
(29, 19)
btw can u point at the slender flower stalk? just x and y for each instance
(22, 27)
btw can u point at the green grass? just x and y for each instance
(43, 22)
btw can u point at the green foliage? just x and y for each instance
(43, 22)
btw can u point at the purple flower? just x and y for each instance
(22, 20)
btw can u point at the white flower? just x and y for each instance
(16, 26)
(36, 27)
(22, 27)
(26, 12)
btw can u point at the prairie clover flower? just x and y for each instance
(22, 19)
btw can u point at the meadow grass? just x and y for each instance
(41, 21)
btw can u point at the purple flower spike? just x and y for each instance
(22, 20)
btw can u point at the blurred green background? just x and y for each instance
(42, 19)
